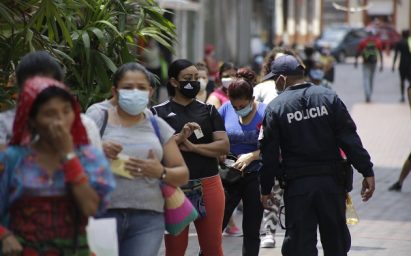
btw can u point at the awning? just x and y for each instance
(180, 5)
(381, 8)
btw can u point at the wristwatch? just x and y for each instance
(164, 174)
(69, 156)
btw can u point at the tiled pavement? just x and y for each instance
(385, 129)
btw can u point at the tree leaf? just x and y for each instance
(110, 64)
(99, 34)
(86, 41)
(110, 26)
(64, 30)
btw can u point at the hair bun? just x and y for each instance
(248, 75)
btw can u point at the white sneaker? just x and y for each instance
(267, 240)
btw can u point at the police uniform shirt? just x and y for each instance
(308, 124)
(208, 118)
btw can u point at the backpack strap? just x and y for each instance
(156, 128)
(105, 120)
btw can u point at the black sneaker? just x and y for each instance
(395, 187)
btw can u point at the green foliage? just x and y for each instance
(91, 38)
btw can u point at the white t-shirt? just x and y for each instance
(265, 92)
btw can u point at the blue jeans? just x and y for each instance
(368, 79)
(139, 232)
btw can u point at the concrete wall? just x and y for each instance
(355, 19)
(403, 15)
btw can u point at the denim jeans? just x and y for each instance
(368, 79)
(139, 232)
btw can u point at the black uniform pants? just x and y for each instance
(310, 203)
(248, 190)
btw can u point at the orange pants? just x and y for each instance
(209, 228)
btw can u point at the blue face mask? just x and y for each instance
(245, 111)
(133, 102)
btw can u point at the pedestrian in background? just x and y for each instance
(403, 48)
(211, 62)
(51, 179)
(226, 76)
(203, 94)
(40, 63)
(328, 63)
(405, 170)
(201, 138)
(370, 49)
(304, 127)
(243, 117)
(129, 133)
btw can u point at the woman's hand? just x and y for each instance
(187, 131)
(243, 161)
(111, 149)
(151, 167)
(61, 138)
(10, 246)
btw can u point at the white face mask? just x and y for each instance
(133, 102)
(203, 84)
(226, 81)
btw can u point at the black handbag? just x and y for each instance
(230, 175)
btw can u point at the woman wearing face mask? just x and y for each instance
(202, 95)
(226, 75)
(243, 117)
(201, 138)
(128, 133)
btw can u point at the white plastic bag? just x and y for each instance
(102, 236)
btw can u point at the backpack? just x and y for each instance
(370, 52)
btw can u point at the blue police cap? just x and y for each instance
(286, 65)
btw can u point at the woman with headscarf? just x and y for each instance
(51, 179)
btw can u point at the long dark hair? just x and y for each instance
(173, 72)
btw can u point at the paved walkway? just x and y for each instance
(385, 128)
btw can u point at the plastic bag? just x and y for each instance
(102, 236)
(350, 213)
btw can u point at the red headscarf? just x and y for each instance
(31, 89)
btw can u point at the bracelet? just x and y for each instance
(164, 174)
(69, 156)
(73, 170)
(4, 233)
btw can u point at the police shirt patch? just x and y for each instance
(307, 114)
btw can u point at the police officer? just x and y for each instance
(303, 129)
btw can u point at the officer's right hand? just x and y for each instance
(368, 187)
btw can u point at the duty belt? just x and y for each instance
(318, 170)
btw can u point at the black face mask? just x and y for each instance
(189, 88)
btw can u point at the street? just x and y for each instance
(384, 127)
